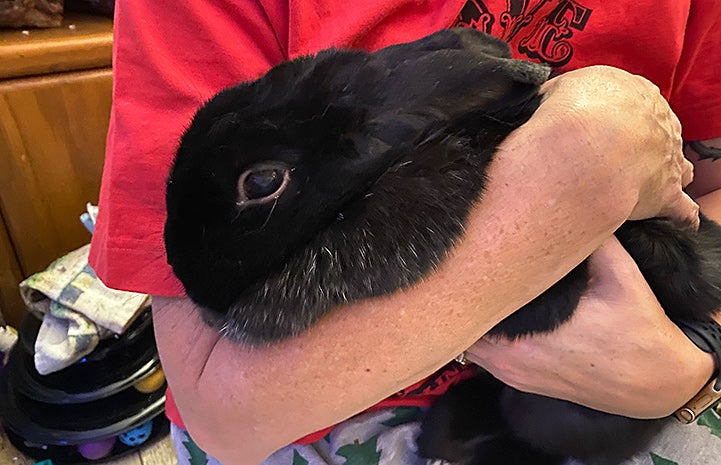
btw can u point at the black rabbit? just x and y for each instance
(349, 174)
(337, 177)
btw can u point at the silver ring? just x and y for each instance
(462, 359)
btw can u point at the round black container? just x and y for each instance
(47, 417)
(114, 365)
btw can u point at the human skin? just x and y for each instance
(560, 363)
(706, 187)
(559, 187)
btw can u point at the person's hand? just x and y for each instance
(619, 353)
(619, 109)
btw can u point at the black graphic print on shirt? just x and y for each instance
(541, 30)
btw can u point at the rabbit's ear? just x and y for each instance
(487, 47)
(483, 43)
(448, 39)
(446, 83)
(524, 72)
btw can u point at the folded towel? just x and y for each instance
(77, 310)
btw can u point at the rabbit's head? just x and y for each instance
(344, 146)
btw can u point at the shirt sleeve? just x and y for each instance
(168, 58)
(696, 96)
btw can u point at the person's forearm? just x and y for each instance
(618, 306)
(541, 216)
(694, 365)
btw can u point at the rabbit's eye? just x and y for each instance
(262, 183)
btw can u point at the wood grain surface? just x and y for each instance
(81, 42)
(52, 147)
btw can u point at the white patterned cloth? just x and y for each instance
(77, 310)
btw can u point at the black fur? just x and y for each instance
(372, 162)
(384, 168)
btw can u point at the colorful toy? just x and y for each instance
(96, 450)
(152, 382)
(137, 436)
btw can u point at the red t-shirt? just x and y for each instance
(169, 57)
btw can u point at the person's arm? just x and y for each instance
(592, 362)
(559, 186)
(544, 364)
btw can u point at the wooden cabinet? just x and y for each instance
(10, 274)
(55, 96)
